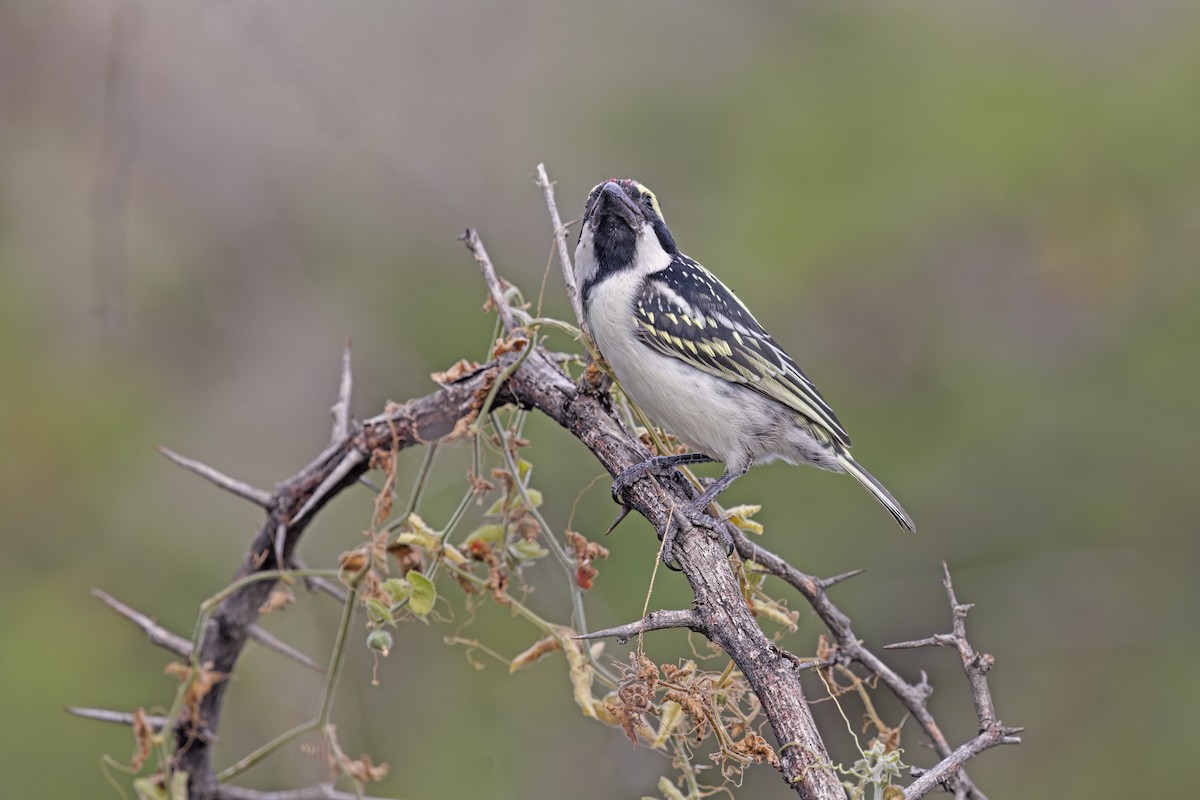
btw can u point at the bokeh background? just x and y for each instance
(975, 224)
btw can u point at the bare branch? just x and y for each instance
(243, 490)
(315, 583)
(493, 281)
(281, 543)
(937, 640)
(272, 642)
(976, 665)
(419, 421)
(722, 610)
(560, 238)
(115, 717)
(913, 697)
(947, 767)
(158, 635)
(654, 621)
(845, 576)
(341, 408)
(348, 463)
(533, 379)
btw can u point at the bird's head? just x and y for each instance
(622, 226)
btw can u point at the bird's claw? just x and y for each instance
(625, 481)
(699, 518)
(717, 527)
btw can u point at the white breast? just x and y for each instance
(731, 423)
(697, 408)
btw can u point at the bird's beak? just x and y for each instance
(613, 201)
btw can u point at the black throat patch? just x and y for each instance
(615, 246)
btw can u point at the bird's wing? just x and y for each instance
(685, 312)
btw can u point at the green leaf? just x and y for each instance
(528, 551)
(179, 786)
(740, 517)
(398, 588)
(535, 497)
(513, 502)
(490, 533)
(377, 612)
(415, 531)
(424, 593)
(148, 789)
(524, 468)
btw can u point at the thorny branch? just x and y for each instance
(913, 696)
(530, 377)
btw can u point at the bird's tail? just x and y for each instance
(876, 488)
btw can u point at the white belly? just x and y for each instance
(731, 423)
(728, 422)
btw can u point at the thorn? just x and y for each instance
(271, 642)
(845, 576)
(654, 621)
(341, 408)
(808, 663)
(329, 588)
(280, 544)
(317, 584)
(363, 480)
(620, 517)
(937, 640)
(244, 490)
(949, 585)
(349, 462)
(157, 634)
(117, 717)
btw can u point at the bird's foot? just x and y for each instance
(656, 466)
(628, 477)
(698, 517)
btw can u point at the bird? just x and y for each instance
(690, 354)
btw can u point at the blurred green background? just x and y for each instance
(975, 224)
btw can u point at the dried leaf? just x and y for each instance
(671, 714)
(352, 561)
(534, 653)
(775, 611)
(457, 371)
(755, 748)
(580, 671)
(198, 686)
(407, 557)
(277, 599)
(143, 737)
(510, 345)
(363, 769)
(585, 553)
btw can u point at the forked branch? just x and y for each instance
(531, 378)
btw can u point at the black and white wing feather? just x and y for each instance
(685, 312)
